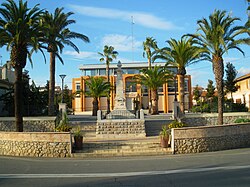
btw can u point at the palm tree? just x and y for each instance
(180, 54)
(57, 34)
(153, 79)
(217, 36)
(20, 31)
(97, 88)
(108, 55)
(149, 45)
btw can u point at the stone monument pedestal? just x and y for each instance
(120, 122)
(120, 128)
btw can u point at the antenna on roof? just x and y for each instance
(132, 34)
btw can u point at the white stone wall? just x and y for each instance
(210, 138)
(30, 124)
(35, 144)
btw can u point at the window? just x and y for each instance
(130, 87)
(144, 90)
(171, 86)
(78, 89)
(92, 72)
(186, 85)
(102, 72)
(78, 86)
(160, 89)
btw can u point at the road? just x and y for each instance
(224, 168)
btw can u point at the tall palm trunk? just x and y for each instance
(149, 91)
(182, 92)
(18, 89)
(108, 97)
(95, 106)
(218, 68)
(51, 108)
(154, 102)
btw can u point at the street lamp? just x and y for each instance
(62, 77)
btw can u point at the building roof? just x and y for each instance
(124, 65)
(243, 77)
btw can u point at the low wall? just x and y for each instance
(35, 144)
(30, 124)
(210, 138)
(195, 120)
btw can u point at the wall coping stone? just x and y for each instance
(43, 118)
(214, 131)
(37, 136)
(188, 115)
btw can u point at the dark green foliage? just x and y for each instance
(196, 93)
(67, 97)
(242, 120)
(210, 89)
(212, 106)
(35, 103)
(230, 84)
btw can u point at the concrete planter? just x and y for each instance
(78, 142)
(164, 141)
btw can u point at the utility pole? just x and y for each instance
(132, 34)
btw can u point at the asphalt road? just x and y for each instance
(224, 168)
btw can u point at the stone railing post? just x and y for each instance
(141, 114)
(99, 115)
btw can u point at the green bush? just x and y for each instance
(242, 120)
(63, 124)
(164, 131)
(176, 124)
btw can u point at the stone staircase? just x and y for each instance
(94, 147)
(110, 148)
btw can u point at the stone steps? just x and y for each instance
(136, 147)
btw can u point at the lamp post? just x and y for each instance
(62, 77)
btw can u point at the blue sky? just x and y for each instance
(108, 22)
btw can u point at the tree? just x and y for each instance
(108, 55)
(217, 36)
(20, 31)
(230, 84)
(180, 54)
(197, 93)
(210, 89)
(150, 48)
(56, 36)
(248, 12)
(153, 79)
(149, 45)
(97, 88)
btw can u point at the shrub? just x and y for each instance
(164, 131)
(242, 120)
(63, 125)
(176, 124)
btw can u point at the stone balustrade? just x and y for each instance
(210, 138)
(30, 124)
(36, 144)
(206, 119)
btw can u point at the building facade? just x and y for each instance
(136, 94)
(242, 95)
